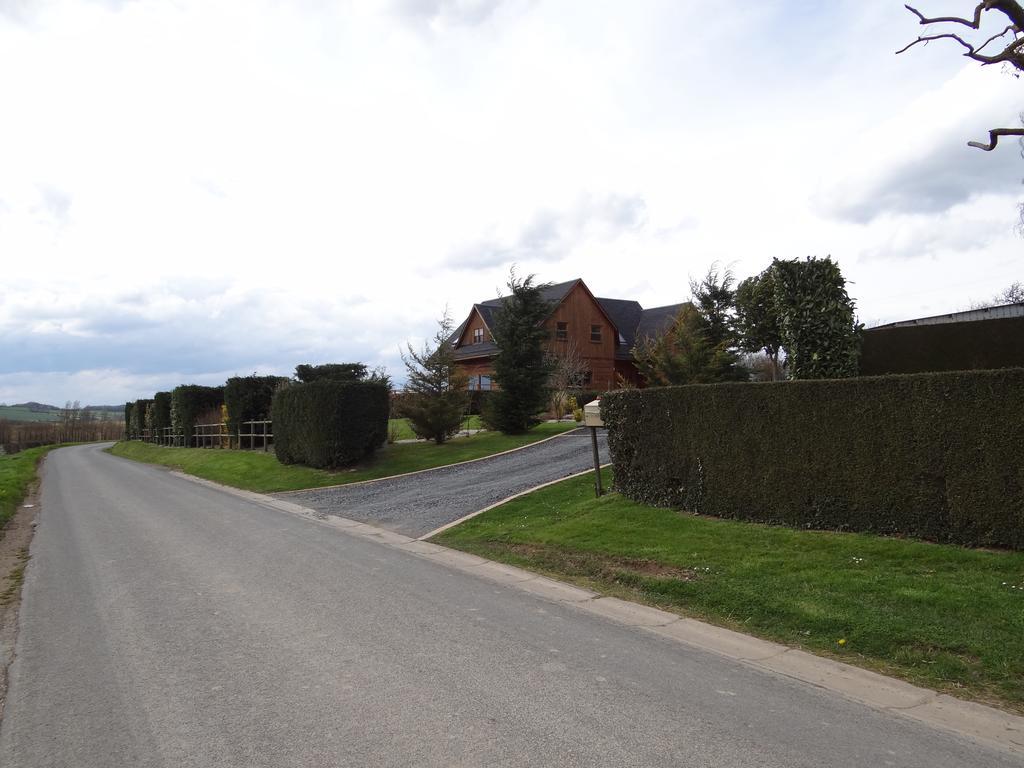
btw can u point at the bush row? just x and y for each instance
(935, 455)
(327, 423)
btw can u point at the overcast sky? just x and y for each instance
(194, 189)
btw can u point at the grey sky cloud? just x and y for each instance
(551, 235)
(469, 13)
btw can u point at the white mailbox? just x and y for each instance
(592, 414)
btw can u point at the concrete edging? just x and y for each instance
(977, 722)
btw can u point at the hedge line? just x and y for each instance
(249, 398)
(993, 343)
(189, 401)
(329, 423)
(936, 455)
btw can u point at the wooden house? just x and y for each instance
(601, 331)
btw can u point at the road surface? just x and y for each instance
(420, 503)
(170, 624)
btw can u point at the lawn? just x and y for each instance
(943, 617)
(17, 471)
(401, 429)
(261, 472)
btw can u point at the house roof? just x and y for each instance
(631, 320)
(967, 316)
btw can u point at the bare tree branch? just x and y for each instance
(1010, 28)
(993, 138)
(975, 24)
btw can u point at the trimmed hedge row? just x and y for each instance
(249, 398)
(160, 410)
(993, 343)
(935, 455)
(189, 401)
(328, 424)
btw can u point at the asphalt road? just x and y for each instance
(170, 624)
(418, 504)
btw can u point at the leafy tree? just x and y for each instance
(684, 354)
(819, 329)
(521, 367)
(436, 393)
(757, 320)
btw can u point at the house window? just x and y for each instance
(595, 333)
(561, 331)
(478, 335)
(485, 382)
(588, 378)
(474, 383)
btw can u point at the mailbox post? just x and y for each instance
(592, 419)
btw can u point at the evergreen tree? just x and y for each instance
(684, 354)
(436, 393)
(757, 319)
(714, 298)
(521, 367)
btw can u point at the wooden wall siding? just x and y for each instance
(629, 372)
(476, 368)
(580, 311)
(466, 340)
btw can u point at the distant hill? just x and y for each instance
(33, 411)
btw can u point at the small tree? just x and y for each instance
(715, 301)
(521, 367)
(569, 371)
(819, 329)
(684, 354)
(436, 393)
(757, 319)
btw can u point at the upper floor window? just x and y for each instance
(561, 331)
(595, 333)
(478, 335)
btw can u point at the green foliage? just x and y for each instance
(816, 318)
(248, 398)
(936, 456)
(128, 418)
(979, 344)
(521, 367)
(137, 417)
(328, 423)
(188, 402)
(161, 413)
(436, 393)
(684, 354)
(333, 371)
(757, 321)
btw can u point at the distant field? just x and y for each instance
(21, 413)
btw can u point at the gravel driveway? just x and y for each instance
(420, 503)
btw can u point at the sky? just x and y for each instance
(197, 189)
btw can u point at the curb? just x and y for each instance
(429, 469)
(979, 723)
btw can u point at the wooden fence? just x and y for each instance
(253, 435)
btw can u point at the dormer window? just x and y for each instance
(561, 331)
(478, 335)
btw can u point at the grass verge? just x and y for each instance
(17, 472)
(402, 430)
(944, 617)
(263, 473)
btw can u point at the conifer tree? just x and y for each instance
(436, 393)
(521, 367)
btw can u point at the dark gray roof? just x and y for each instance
(966, 316)
(657, 320)
(625, 316)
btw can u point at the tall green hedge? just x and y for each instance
(161, 411)
(137, 417)
(330, 423)
(187, 402)
(993, 343)
(936, 455)
(249, 398)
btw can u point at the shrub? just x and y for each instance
(137, 417)
(161, 411)
(478, 400)
(328, 423)
(935, 456)
(249, 398)
(187, 402)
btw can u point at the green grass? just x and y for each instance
(940, 616)
(17, 472)
(403, 431)
(261, 472)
